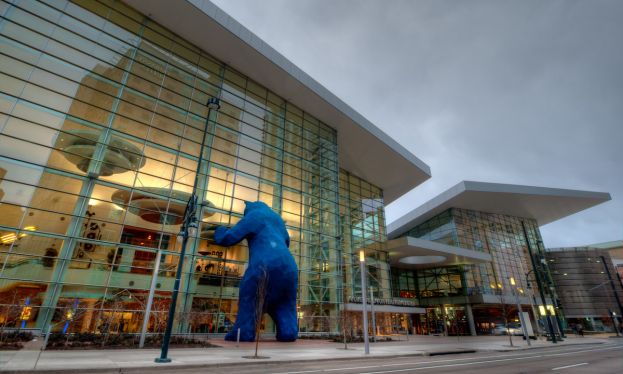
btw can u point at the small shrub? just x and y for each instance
(17, 336)
(11, 346)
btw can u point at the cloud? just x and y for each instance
(526, 92)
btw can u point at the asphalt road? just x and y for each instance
(594, 359)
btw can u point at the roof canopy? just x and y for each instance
(543, 204)
(364, 149)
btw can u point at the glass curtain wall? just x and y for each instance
(500, 235)
(362, 217)
(102, 113)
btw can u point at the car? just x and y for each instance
(512, 330)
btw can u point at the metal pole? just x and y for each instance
(535, 314)
(373, 315)
(550, 327)
(150, 299)
(364, 302)
(522, 320)
(190, 218)
(47, 337)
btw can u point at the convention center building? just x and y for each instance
(103, 113)
(104, 123)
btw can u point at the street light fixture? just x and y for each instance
(364, 302)
(189, 228)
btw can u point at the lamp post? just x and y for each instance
(524, 326)
(550, 327)
(364, 302)
(189, 228)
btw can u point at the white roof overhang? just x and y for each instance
(543, 204)
(413, 253)
(364, 149)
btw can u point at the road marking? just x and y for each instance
(570, 366)
(449, 365)
(587, 350)
(353, 368)
(518, 356)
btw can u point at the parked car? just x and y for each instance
(512, 329)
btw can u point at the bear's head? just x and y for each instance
(255, 205)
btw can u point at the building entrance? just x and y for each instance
(451, 320)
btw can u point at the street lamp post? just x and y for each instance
(550, 327)
(189, 228)
(364, 302)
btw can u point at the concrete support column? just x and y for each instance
(470, 319)
(443, 319)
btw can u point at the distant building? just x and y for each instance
(615, 249)
(588, 285)
(460, 253)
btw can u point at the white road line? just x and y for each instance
(353, 368)
(448, 365)
(570, 366)
(517, 357)
(586, 350)
(399, 370)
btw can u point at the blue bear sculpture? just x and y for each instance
(268, 242)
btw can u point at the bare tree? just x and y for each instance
(109, 319)
(346, 322)
(506, 313)
(262, 285)
(10, 312)
(159, 313)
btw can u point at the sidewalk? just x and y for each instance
(135, 359)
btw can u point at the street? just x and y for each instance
(604, 359)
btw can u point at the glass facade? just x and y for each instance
(448, 290)
(500, 235)
(102, 116)
(362, 218)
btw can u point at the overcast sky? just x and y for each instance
(525, 92)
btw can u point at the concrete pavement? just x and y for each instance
(127, 360)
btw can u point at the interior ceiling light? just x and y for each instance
(152, 208)
(79, 147)
(8, 238)
(12, 237)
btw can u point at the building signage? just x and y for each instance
(396, 302)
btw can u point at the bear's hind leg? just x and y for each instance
(245, 320)
(284, 316)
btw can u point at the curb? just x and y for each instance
(142, 369)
